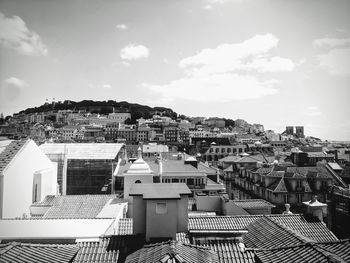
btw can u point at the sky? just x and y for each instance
(278, 63)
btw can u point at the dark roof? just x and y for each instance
(172, 252)
(75, 206)
(220, 223)
(160, 191)
(266, 233)
(15, 252)
(308, 252)
(230, 251)
(91, 252)
(278, 186)
(309, 227)
(10, 152)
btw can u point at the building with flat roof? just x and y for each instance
(85, 168)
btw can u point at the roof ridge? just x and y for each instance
(293, 232)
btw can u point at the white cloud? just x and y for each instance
(215, 88)
(331, 42)
(250, 55)
(16, 82)
(15, 34)
(227, 73)
(122, 27)
(134, 52)
(107, 86)
(312, 111)
(336, 61)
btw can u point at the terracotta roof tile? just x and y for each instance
(91, 252)
(307, 226)
(171, 252)
(15, 252)
(230, 251)
(265, 233)
(75, 206)
(10, 152)
(338, 251)
(252, 203)
(125, 227)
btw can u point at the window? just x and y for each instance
(285, 199)
(161, 208)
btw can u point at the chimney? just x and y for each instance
(316, 208)
(287, 212)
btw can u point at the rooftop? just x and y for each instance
(312, 253)
(80, 206)
(160, 191)
(15, 252)
(309, 227)
(252, 203)
(173, 252)
(8, 151)
(92, 151)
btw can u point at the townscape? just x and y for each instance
(169, 187)
(174, 131)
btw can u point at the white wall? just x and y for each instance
(130, 179)
(18, 179)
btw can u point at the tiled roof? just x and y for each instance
(26, 253)
(95, 252)
(308, 252)
(278, 186)
(183, 238)
(307, 226)
(76, 206)
(10, 152)
(176, 167)
(220, 223)
(252, 203)
(264, 170)
(125, 227)
(172, 252)
(340, 248)
(202, 167)
(265, 233)
(230, 251)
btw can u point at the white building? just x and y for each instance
(26, 175)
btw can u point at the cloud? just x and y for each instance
(336, 61)
(312, 111)
(15, 34)
(215, 88)
(228, 72)
(13, 88)
(16, 82)
(107, 86)
(331, 42)
(122, 27)
(134, 52)
(250, 55)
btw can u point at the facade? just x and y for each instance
(120, 117)
(156, 205)
(299, 131)
(85, 168)
(290, 130)
(26, 176)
